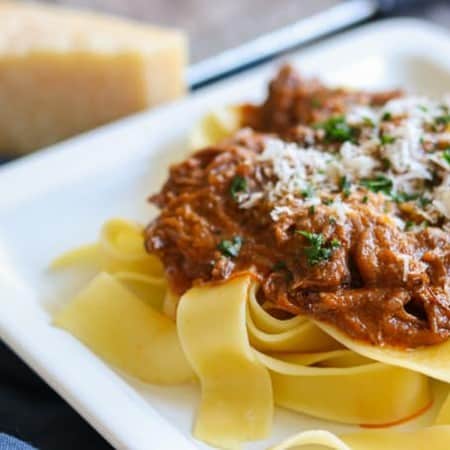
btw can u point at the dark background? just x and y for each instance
(28, 408)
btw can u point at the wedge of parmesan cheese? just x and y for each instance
(63, 72)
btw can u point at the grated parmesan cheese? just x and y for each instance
(395, 146)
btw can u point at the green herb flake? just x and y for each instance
(378, 184)
(317, 251)
(422, 108)
(312, 210)
(337, 129)
(446, 155)
(409, 224)
(387, 139)
(386, 116)
(308, 192)
(424, 201)
(443, 120)
(332, 220)
(401, 197)
(335, 243)
(327, 201)
(368, 122)
(238, 184)
(365, 199)
(345, 186)
(230, 248)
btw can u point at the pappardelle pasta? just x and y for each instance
(289, 266)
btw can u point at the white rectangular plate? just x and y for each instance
(58, 199)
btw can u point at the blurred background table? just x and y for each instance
(28, 408)
(215, 26)
(211, 26)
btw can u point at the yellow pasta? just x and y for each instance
(366, 393)
(237, 401)
(170, 304)
(151, 290)
(126, 332)
(217, 327)
(215, 126)
(246, 359)
(433, 361)
(435, 437)
(430, 438)
(85, 255)
(443, 417)
(294, 335)
(122, 249)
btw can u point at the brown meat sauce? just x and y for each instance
(380, 284)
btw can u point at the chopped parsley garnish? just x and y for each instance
(387, 139)
(337, 129)
(345, 186)
(368, 122)
(365, 199)
(386, 116)
(332, 220)
(424, 201)
(308, 192)
(318, 251)
(335, 243)
(238, 184)
(378, 184)
(446, 155)
(443, 120)
(422, 108)
(230, 248)
(327, 201)
(401, 196)
(312, 210)
(408, 225)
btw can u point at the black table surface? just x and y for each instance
(32, 411)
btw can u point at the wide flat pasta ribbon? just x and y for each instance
(433, 360)
(120, 249)
(84, 255)
(152, 290)
(298, 334)
(126, 332)
(343, 387)
(237, 401)
(434, 437)
(215, 126)
(430, 438)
